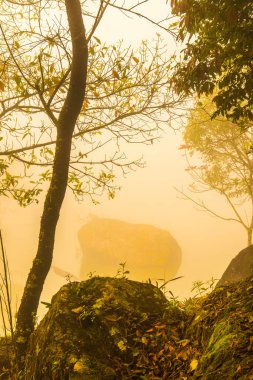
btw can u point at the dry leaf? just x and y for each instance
(194, 364)
(112, 318)
(77, 310)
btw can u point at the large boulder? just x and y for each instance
(107, 328)
(240, 267)
(91, 327)
(149, 252)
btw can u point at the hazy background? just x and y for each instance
(147, 196)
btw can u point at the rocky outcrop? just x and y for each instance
(149, 252)
(90, 330)
(240, 267)
(107, 328)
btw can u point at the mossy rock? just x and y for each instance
(107, 328)
(223, 332)
(90, 328)
(239, 268)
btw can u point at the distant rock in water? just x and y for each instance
(240, 267)
(149, 252)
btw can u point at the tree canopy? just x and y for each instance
(217, 53)
(219, 158)
(128, 99)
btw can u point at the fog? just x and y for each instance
(147, 196)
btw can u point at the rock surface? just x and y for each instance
(240, 267)
(107, 328)
(149, 252)
(221, 332)
(90, 328)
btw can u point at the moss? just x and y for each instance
(90, 326)
(218, 350)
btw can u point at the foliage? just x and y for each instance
(122, 272)
(8, 358)
(203, 287)
(128, 98)
(222, 162)
(218, 53)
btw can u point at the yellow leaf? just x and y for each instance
(77, 310)
(184, 342)
(115, 74)
(51, 91)
(79, 367)
(1, 86)
(144, 340)
(85, 104)
(194, 364)
(171, 348)
(160, 327)
(135, 59)
(121, 345)
(55, 79)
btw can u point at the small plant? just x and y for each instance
(122, 272)
(91, 274)
(203, 287)
(161, 284)
(174, 300)
(6, 311)
(69, 278)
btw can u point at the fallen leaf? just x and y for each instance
(77, 310)
(112, 318)
(183, 355)
(194, 364)
(160, 327)
(184, 342)
(79, 367)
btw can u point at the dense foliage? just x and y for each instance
(218, 51)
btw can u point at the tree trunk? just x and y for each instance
(54, 198)
(250, 231)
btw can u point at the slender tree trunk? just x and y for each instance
(250, 231)
(54, 198)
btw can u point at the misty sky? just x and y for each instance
(147, 196)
